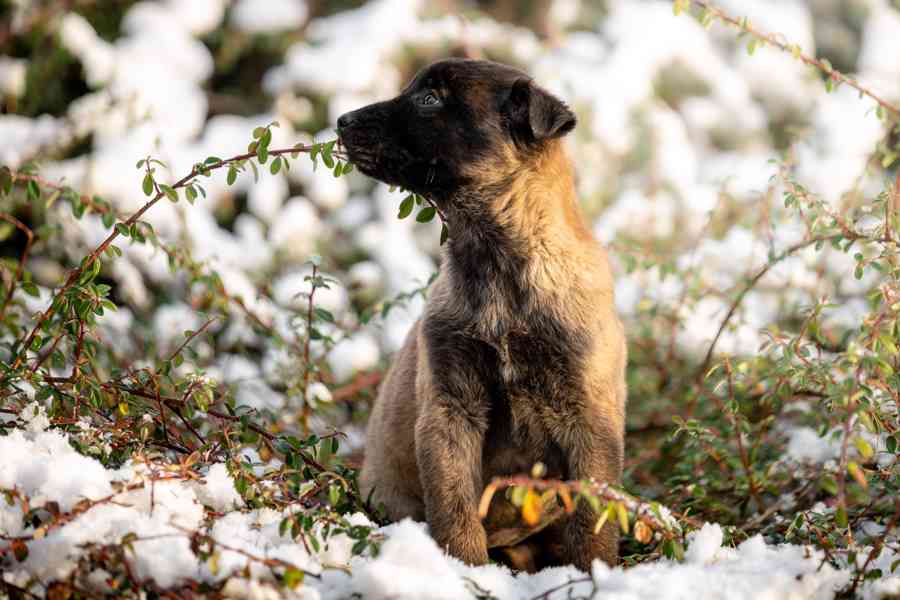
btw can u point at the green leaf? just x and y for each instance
(673, 549)
(445, 233)
(275, 166)
(324, 315)
(170, 192)
(840, 517)
(262, 154)
(30, 289)
(347, 168)
(752, 45)
(326, 154)
(232, 176)
(5, 180)
(293, 577)
(122, 228)
(34, 191)
(406, 207)
(828, 484)
(258, 132)
(426, 214)
(864, 448)
(148, 184)
(334, 495)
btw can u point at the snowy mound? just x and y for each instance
(158, 515)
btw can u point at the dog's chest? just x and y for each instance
(537, 361)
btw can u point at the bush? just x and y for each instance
(763, 335)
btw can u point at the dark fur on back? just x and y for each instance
(519, 357)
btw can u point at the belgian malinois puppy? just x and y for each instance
(519, 357)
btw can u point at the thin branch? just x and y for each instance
(570, 583)
(701, 370)
(75, 273)
(362, 382)
(307, 365)
(643, 511)
(20, 268)
(793, 49)
(192, 336)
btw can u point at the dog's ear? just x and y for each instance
(535, 114)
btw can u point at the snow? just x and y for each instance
(12, 76)
(162, 514)
(318, 392)
(217, 491)
(652, 169)
(352, 355)
(43, 466)
(263, 16)
(805, 445)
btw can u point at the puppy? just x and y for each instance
(519, 357)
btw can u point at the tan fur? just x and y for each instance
(429, 456)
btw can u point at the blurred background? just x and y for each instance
(681, 131)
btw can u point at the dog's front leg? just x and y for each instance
(594, 448)
(449, 437)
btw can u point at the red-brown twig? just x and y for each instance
(20, 268)
(75, 273)
(772, 39)
(307, 365)
(643, 511)
(701, 370)
(191, 337)
(361, 382)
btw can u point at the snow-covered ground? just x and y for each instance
(161, 515)
(649, 167)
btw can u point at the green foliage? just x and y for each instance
(707, 433)
(164, 407)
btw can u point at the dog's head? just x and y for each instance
(455, 117)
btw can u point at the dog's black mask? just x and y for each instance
(453, 115)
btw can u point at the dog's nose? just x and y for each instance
(345, 120)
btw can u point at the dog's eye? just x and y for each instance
(430, 99)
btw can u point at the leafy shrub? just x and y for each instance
(715, 433)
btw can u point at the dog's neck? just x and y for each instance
(519, 244)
